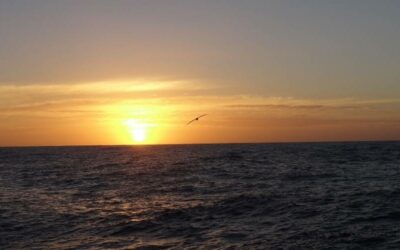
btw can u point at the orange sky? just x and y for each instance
(135, 72)
(112, 113)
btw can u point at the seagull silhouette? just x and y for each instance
(195, 119)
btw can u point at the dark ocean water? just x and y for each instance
(254, 196)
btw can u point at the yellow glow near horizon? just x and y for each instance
(109, 114)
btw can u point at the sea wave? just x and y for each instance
(252, 196)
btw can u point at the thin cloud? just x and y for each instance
(294, 106)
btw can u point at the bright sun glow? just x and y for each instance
(139, 134)
(137, 130)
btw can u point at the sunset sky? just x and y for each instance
(85, 72)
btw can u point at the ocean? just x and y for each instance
(228, 196)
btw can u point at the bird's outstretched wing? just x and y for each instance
(190, 122)
(195, 119)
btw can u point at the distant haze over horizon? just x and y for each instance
(99, 72)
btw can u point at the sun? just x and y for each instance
(137, 130)
(139, 134)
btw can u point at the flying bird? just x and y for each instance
(195, 119)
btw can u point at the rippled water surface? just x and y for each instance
(253, 196)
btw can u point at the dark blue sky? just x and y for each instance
(286, 48)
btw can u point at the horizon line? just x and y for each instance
(205, 143)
